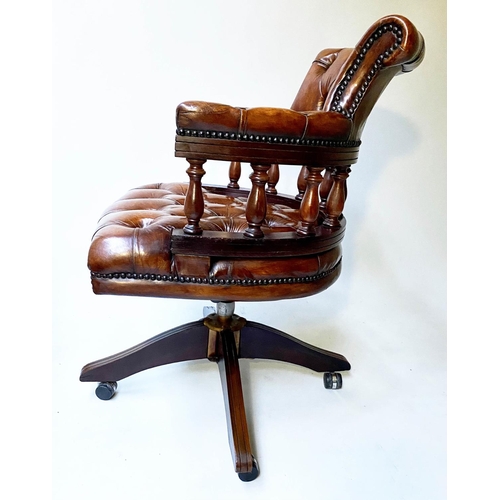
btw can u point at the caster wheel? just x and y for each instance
(332, 380)
(253, 474)
(106, 390)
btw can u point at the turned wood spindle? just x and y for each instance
(302, 182)
(336, 199)
(257, 203)
(274, 177)
(194, 205)
(326, 186)
(234, 174)
(309, 207)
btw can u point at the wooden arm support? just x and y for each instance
(257, 201)
(194, 205)
(309, 207)
(234, 174)
(326, 135)
(334, 205)
(264, 158)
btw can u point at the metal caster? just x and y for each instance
(106, 390)
(253, 474)
(332, 380)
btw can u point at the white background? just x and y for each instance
(119, 70)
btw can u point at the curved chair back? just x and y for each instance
(350, 81)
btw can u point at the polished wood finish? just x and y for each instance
(234, 174)
(194, 205)
(257, 201)
(282, 244)
(278, 154)
(259, 341)
(239, 439)
(302, 182)
(326, 186)
(224, 341)
(264, 153)
(235, 244)
(309, 207)
(201, 340)
(336, 199)
(274, 177)
(184, 343)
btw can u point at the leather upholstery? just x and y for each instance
(231, 244)
(262, 122)
(335, 98)
(133, 251)
(163, 204)
(319, 79)
(134, 237)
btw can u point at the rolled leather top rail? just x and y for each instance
(335, 98)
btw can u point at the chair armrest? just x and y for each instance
(260, 124)
(261, 137)
(326, 137)
(211, 131)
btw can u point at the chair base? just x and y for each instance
(223, 340)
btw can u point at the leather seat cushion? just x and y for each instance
(163, 205)
(133, 239)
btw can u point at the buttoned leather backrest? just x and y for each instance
(320, 79)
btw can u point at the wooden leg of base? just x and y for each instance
(264, 342)
(237, 427)
(184, 343)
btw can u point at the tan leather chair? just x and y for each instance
(227, 244)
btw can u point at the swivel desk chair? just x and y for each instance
(187, 240)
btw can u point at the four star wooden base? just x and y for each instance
(224, 338)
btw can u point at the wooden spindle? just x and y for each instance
(336, 199)
(309, 207)
(326, 186)
(274, 177)
(194, 205)
(257, 203)
(234, 174)
(302, 182)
